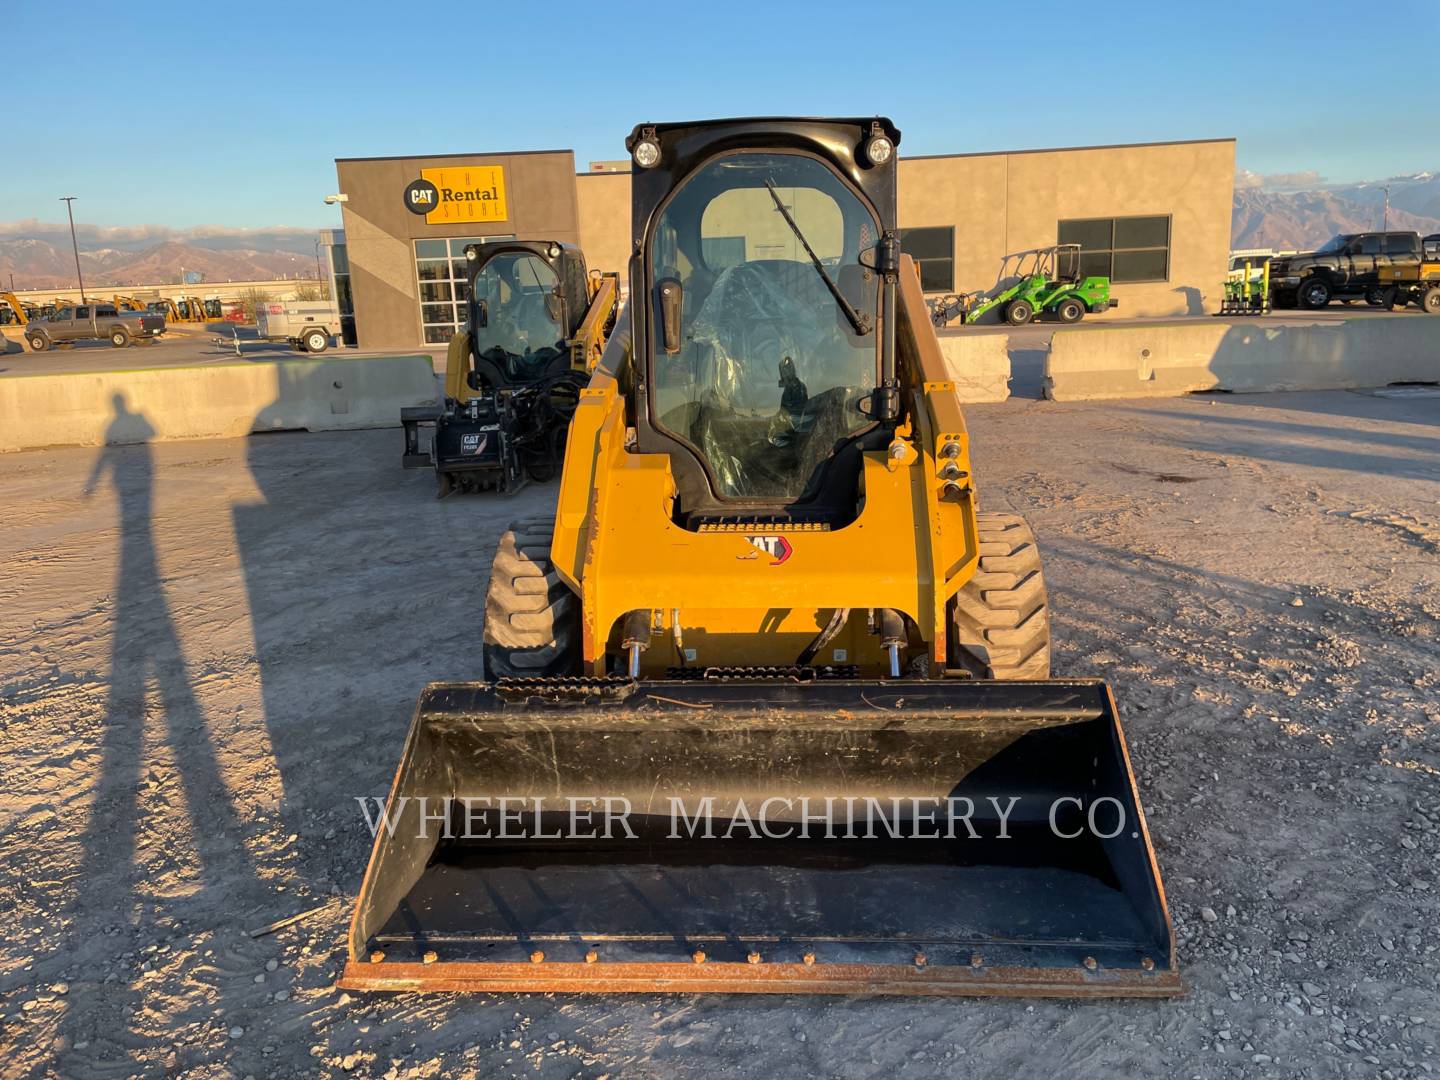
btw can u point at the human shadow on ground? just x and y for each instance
(145, 651)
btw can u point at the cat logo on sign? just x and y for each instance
(459, 194)
(777, 547)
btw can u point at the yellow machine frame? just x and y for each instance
(616, 546)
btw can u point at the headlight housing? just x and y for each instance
(879, 149)
(647, 151)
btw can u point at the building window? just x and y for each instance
(344, 298)
(444, 284)
(933, 250)
(1127, 249)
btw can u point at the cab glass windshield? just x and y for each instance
(518, 320)
(764, 368)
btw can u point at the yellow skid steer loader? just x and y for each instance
(535, 325)
(767, 705)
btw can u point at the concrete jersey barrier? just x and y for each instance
(979, 364)
(1177, 358)
(214, 401)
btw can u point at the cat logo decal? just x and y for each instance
(777, 547)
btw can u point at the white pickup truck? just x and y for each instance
(308, 325)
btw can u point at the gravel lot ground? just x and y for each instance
(207, 649)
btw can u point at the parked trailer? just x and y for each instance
(308, 325)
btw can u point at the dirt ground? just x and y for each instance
(208, 649)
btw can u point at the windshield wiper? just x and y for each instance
(858, 321)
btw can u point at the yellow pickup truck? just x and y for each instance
(1415, 284)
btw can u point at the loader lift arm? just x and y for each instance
(20, 309)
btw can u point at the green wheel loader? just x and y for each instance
(1049, 282)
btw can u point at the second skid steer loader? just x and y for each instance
(536, 323)
(768, 705)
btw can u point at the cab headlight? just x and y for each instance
(879, 149)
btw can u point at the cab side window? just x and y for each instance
(1399, 244)
(105, 312)
(82, 313)
(1368, 245)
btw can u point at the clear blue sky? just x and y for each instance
(183, 115)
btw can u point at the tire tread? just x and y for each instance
(532, 620)
(1000, 618)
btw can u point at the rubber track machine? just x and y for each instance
(536, 324)
(767, 704)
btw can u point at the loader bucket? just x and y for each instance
(797, 835)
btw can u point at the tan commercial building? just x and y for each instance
(1154, 217)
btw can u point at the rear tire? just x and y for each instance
(119, 337)
(532, 620)
(1375, 295)
(316, 341)
(1019, 312)
(1000, 619)
(1430, 300)
(1070, 311)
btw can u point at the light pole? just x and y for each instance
(68, 200)
(317, 258)
(1385, 221)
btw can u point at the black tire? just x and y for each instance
(1430, 300)
(1388, 298)
(1070, 310)
(1314, 293)
(38, 342)
(119, 337)
(1019, 312)
(315, 341)
(1375, 295)
(532, 620)
(444, 484)
(1000, 619)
